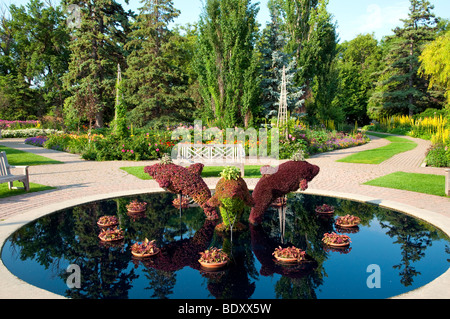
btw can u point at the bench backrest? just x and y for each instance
(4, 166)
(231, 153)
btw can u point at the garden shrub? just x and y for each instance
(439, 155)
(36, 141)
(150, 144)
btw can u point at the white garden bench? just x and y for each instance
(7, 177)
(212, 154)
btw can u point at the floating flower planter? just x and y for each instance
(279, 202)
(289, 254)
(348, 221)
(325, 209)
(136, 207)
(111, 234)
(144, 249)
(107, 221)
(184, 202)
(213, 258)
(335, 240)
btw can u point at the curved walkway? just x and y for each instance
(78, 181)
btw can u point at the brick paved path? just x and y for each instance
(77, 178)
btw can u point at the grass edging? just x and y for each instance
(414, 182)
(18, 157)
(396, 146)
(251, 171)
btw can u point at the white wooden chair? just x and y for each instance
(7, 177)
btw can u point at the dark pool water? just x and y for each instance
(391, 253)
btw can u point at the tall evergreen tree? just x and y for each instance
(155, 83)
(401, 90)
(96, 49)
(273, 59)
(226, 61)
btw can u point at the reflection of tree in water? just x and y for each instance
(413, 237)
(160, 282)
(235, 281)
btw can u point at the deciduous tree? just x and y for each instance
(226, 61)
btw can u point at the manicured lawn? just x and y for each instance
(376, 156)
(18, 157)
(251, 171)
(421, 183)
(5, 192)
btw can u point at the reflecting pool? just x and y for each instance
(390, 253)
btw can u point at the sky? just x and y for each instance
(353, 17)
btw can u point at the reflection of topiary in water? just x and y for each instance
(232, 195)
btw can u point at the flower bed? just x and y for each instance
(13, 125)
(151, 144)
(36, 141)
(30, 132)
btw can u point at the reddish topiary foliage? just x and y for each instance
(290, 177)
(231, 189)
(187, 181)
(231, 196)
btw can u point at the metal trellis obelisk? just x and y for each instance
(282, 108)
(118, 81)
